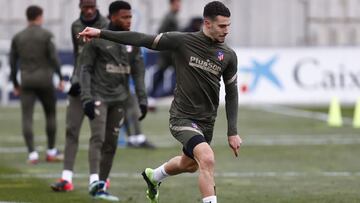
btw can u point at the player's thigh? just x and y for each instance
(74, 114)
(208, 130)
(98, 124)
(27, 99)
(115, 119)
(47, 98)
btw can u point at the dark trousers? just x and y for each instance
(104, 135)
(132, 115)
(74, 119)
(47, 99)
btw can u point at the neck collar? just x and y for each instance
(92, 21)
(113, 27)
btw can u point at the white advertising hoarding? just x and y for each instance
(305, 76)
(298, 76)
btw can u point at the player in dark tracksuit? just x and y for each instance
(200, 59)
(168, 24)
(33, 52)
(89, 16)
(104, 80)
(132, 125)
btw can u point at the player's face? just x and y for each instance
(122, 19)
(218, 28)
(88, 12)
(176, 5)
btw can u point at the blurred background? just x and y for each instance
(255, 23)
(289, 51)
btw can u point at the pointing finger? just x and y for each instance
(236, 152)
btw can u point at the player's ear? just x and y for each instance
(207, 22)
(113, 16)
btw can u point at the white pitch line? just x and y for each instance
(12, 202)
(288, 111)
(37, 116)
(296, 140)
(251, 140)
(224, 175)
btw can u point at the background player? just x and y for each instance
(34, 53)
(89, 16)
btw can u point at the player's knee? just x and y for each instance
(70, 135)
(207, 161)
(96, 142)
(109, 148)
(71, 128)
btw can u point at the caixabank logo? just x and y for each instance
(259, 71)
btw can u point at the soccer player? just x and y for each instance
(89, 16)
(104, 79)
(34, 53)
(194, 25)
(136, 138)
(201, 59)
(169, 23)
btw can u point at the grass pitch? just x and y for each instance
(284, 158)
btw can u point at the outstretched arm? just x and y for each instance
(156, 42)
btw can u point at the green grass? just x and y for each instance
(283, 159)
(346, 111)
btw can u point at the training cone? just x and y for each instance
(356, 120)
(334, 116)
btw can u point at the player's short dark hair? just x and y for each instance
(33, 11)
(215, 8)
(172, 1)
(87, 3)
(118, 5)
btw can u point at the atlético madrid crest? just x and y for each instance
(194, 125)
(220, 55)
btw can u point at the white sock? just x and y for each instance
(137, 139)
(132, 139)
(160, 173)
(151, 101)
(210, 199)
(51, 152)
(34, 155)
(67, 175)
(93, 177)
(140, 138)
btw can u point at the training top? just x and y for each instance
(200, 63)
(77, 26)
(33, 51)
(105, 70)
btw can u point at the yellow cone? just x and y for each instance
(334, 116)
(356, 120)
